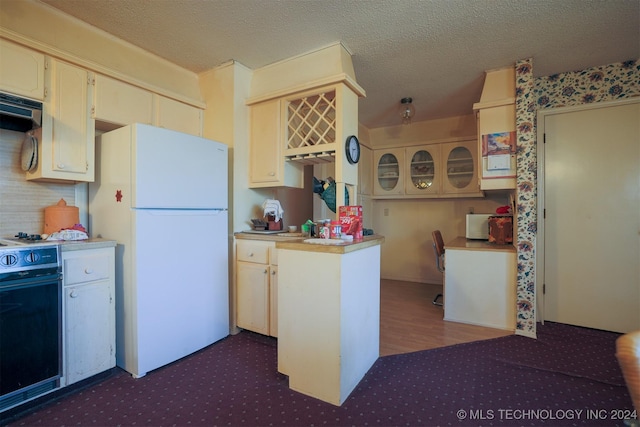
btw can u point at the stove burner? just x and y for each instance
(28, 237)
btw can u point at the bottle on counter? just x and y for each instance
(324, 231)
(335, 230)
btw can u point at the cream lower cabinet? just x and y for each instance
(89, 313)
(257, 286)
(66, 138)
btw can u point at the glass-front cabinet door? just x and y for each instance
(423, 170)
(460, 167)
(389, 179)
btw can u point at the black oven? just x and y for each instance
(30, 323)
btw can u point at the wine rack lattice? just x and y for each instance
(311, 122)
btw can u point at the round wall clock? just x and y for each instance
(352, 149)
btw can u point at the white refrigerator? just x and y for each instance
(162, 195)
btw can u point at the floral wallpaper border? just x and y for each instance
(526, 166)
(596, 84)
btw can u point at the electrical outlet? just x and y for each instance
(471, 210)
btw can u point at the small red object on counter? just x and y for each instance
(351, 220)
(272, 224)
(503, 210)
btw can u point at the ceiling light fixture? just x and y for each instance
(407, 110)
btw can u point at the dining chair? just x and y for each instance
(438, 249)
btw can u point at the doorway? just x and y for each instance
(588, 249)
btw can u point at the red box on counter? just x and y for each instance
(351, 220)
(272, 224)
(501, 229)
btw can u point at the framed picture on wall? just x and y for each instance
(499, 155)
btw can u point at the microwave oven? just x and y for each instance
(478, 226)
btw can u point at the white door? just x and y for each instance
(592, 217)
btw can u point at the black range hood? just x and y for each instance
(19, 114)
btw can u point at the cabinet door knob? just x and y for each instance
(273, 273)
(73, 294)
(272, 174)
(60, 165)
(250, 254)
(88, 270)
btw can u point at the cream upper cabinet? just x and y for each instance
(423, 166)
(459, 161)
(21, 70)
(389, 172)
(496, 117)
(267, 164)
(174, 115)
(365, 171)
(120, 103)
(66, 138)
(439, 170)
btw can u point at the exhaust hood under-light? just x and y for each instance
(19, 114)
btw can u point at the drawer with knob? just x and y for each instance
(253, 251)
(86, 269)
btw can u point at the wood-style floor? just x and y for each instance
(410, 322)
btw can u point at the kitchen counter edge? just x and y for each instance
(463, 243)
(266, 237)
(80, 245)
(342, 248)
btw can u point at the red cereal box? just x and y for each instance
(351, 220)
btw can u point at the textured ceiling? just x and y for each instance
(435, 51)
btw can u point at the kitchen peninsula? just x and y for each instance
(328, 315)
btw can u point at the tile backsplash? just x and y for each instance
(22, 202)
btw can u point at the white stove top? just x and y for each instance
(7, 242)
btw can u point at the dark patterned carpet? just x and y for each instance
(568, 376)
